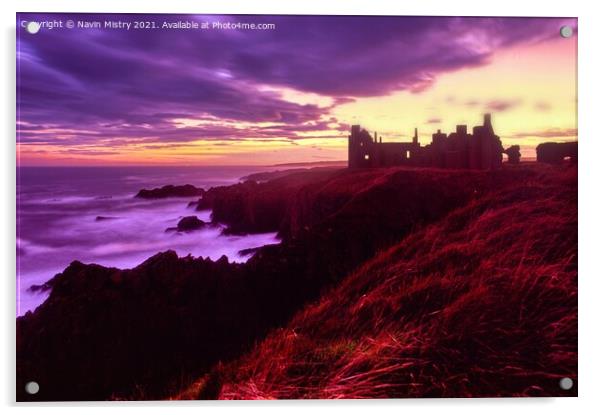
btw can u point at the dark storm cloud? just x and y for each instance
(128, 85)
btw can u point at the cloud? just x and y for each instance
(501, 105)
(118, 87)
(89, 152)
(542, 106)
(433, 120)
(550, 133)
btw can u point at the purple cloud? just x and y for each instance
(113, 87)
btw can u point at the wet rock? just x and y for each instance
(40, 288)
(249, 251)
(188, 224)
(186, 190)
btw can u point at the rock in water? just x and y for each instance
(187, 224)
(170, 191)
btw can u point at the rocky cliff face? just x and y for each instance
(143, 333)
(482, 302)
(253, 207)
(103, 330)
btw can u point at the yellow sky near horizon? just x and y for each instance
(537, 82)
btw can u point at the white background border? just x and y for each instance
(590, 163)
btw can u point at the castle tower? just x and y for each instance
(360, 147)
(415, 138)
(438, 137)
(488, 146)
(438, 147)
(487, 123)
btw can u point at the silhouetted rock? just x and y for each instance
(40, 288)
(555, 153)
(186, 190)
(105, 330)
(188, 224)
(513, 153)
(249, 251)
(252, 207)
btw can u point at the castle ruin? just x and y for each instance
(459, 150)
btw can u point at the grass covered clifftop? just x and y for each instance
(480, 303)
(418, 256)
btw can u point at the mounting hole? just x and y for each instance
(32, 388)
(566, 31)
(566, 384)
(32, 27)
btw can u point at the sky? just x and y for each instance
(218, 95)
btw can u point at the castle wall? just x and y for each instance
(460, 150)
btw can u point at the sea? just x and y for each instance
(57, 210)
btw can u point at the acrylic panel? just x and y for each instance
(295, 207)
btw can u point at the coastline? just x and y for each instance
(330, 221)
(66, 203)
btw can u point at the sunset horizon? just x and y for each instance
(294, 95)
